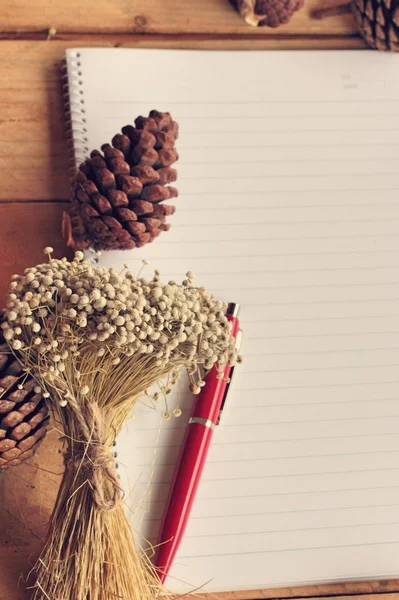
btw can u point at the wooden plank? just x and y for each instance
(33, 156)
(27, 495)
(26, 228)
(33, 152)
(155, 16)
(344, 591)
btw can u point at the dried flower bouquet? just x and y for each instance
(96, 339)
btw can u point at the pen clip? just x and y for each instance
(226, 391)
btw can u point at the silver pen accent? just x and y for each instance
(202, 421)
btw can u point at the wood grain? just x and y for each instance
(27, 495)
(34, 165)
(25, 230)
(370, 590)
(152, 16)
(33, 156)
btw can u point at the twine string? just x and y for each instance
(92, 454)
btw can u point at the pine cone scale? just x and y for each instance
(5, 407)
(141, 207)
(23, 411)
(167, 175)
(7, 382)
(378, 22)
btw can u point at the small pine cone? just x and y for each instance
(378, 22)
(23, 412)
(271, 13)
(118, 194)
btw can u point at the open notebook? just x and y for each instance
(289, 187)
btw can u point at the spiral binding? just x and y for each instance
(76, 130)
(75, 113)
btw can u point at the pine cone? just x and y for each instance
(378, 22)
(271, 13)
(118, 195)
(23, 412)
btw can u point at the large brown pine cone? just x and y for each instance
(118, 195)
(271, 13)
(378, 22)
(23, 412)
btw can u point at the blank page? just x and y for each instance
(289, 183)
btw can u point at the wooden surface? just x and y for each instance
(34, 189)
(192, 17)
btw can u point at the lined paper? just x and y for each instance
(288, 181)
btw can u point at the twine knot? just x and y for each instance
(92, 454)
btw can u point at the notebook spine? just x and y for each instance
(75, 113)
(76, 127)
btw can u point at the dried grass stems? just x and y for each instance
(96, 340)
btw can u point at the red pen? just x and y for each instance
(204, 418)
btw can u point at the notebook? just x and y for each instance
(288, 205)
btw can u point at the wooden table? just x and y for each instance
(34, 187)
